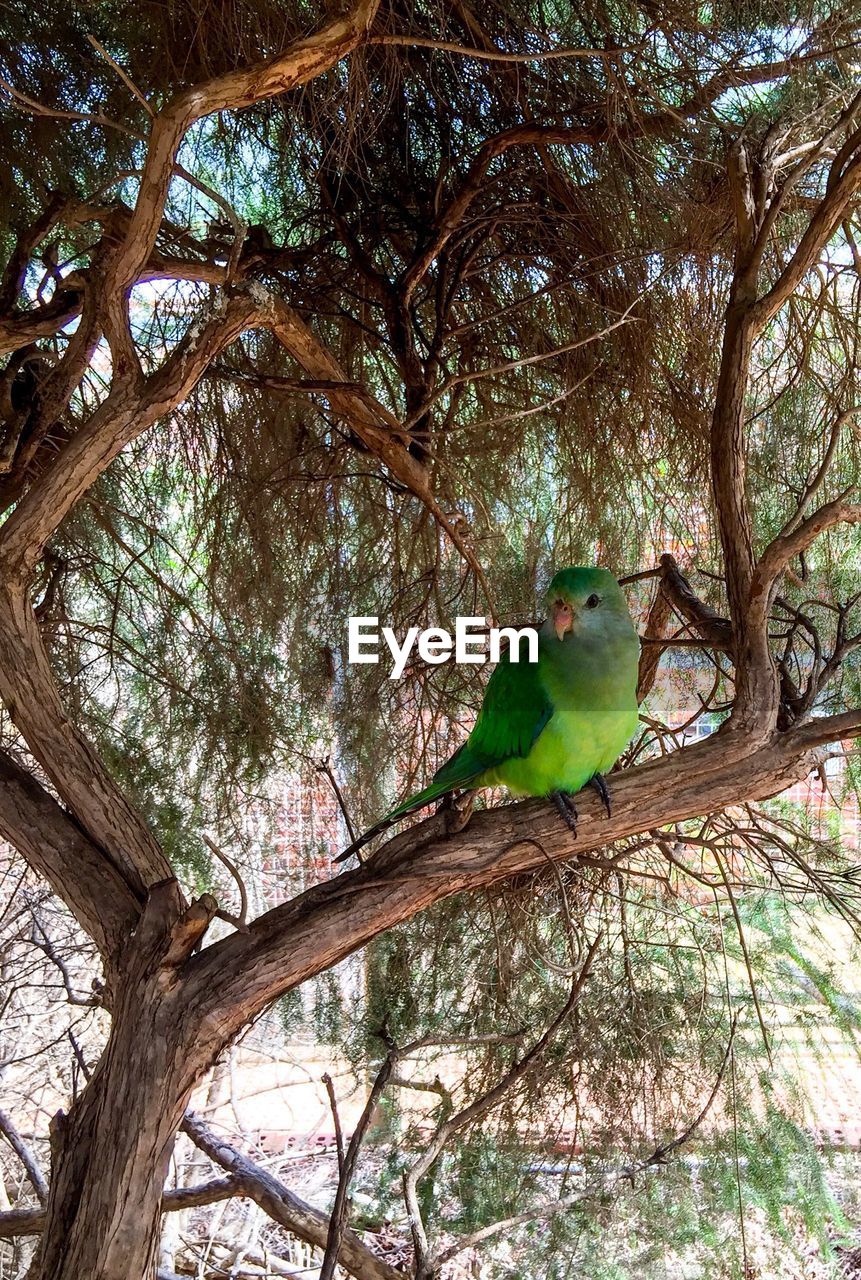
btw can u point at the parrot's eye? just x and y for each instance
(593, 601)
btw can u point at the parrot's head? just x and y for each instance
(583, 600)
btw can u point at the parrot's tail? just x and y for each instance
(435, 791)
(462, 769)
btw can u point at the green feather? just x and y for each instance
(514, 711)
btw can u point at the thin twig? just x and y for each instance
(336, 1120)
(323, 766)
(745, 953)
(240, 921)
(493, 55)
(339, 1209)
(475, 1111)
(549, 1208)
(46, 946)
(123, 75)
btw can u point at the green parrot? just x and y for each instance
(550, 727)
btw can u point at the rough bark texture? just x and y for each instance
(29, 692)
(756, 680)
(111, 1152)
(55, 846)
(174, 1012)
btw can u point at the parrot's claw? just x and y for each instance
(567, 809)
(599, 782)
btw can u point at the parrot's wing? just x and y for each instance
(515, 709)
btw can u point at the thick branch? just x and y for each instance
(22, 327)
(756, 689)
(76, 869)
(112, 823)
(660, 612)
(757, 700)
(235, 978)
(675, 588)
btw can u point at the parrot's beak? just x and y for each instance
(562, 618)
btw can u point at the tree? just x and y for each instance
(476, 234)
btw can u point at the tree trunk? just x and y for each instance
(110, 1153)
(756, 695)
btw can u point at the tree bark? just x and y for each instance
(110, 1153)
(756, 700)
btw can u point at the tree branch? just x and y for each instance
(476, 1110)
(375, 426)
(660, 612)
(31, 1222)
(301, 62)
(337, 1220)
(843, 184)
(548, 1208)
(284, 1207)
(25, 1155)
(715, 630)
(784, 548)
(658, 124)
(19, 328)
(26, 683)
(57, 848)
(232, 980)
(126, 412)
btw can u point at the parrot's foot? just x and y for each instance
(599, 782)
(567, 809)
(457, 811)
